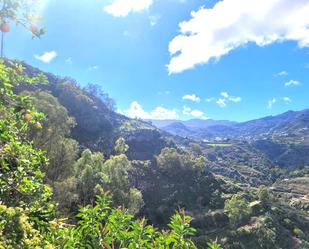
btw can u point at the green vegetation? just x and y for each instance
(76, 174)
(238, 209)
(220, 145)
(62, 189)
(27, 213)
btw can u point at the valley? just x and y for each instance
(260, 176)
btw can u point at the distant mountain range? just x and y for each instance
(288, 126)
(192, 123)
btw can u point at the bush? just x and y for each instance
(238, 209)
(298, 233)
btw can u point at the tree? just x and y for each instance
(263, 194)
(195, 148)
(121, 147)
(89, 173)
(53, 135)
(180, 179)
(20, 12)
(100, 226)
(117, 183)
(95, 174)
(214, 245)
(26, 205)
(99, 96)
(20, 162)
(169, 160)
(181, 230)
(238, 209)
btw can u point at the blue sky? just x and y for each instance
(235, 63)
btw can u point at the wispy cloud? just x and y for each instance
(191, 97)
(221, 102)
(292, 83)
(153, 20)
(210, 99)
(226, 97)
(287, 100)
(186, 110)
(122, 8)
(164, 92)
(282, 73)
(92, 68)
(235, 99)
(271, 103)
(213, 32)
(46, 57)
(137, 111)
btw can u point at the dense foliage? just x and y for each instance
(27, 213)
(20, 12)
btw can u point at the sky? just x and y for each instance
(178, 59)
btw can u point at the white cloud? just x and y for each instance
(212, 33)
(221, 102)
(153, 20)
(226, 97)
(224, 94)
(292, 83)
(120, 112)
(287, 100)
(46, 57)
(191, 97)
(195, 113)
(235, 99)
(137, 111)
(162, 113)
(271, 103)
(282, 73)
(122, 8)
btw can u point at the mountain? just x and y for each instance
(192, 123)
(291, 124)
(98, 126)
(288, 126)
(213, 180)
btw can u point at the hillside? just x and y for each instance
(251, 159)
(282, 139)
(90, 149)
(97, 124)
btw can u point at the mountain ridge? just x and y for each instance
(289, 123)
